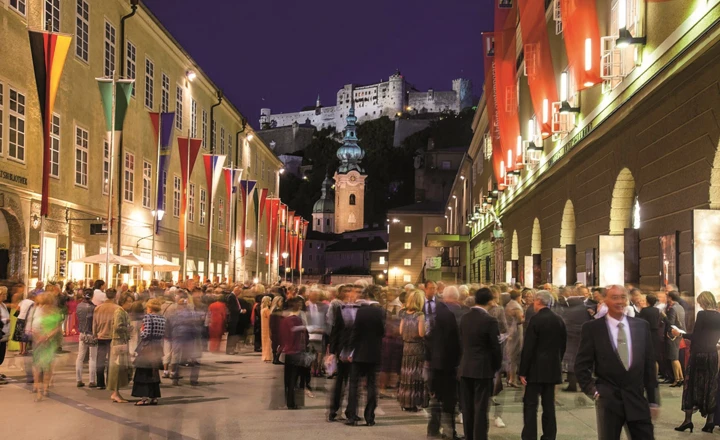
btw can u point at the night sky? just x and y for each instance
(281, 53)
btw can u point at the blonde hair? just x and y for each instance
(415, 301)
(3, 290)
(707, 300)
(276, 303)
(265, 303)
(154, 304)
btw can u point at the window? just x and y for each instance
(408, 245)
(318, 222)
(382, 260)
(407, 262)
(52, 15)
(82, 30)
(164, 93)
(221, 214)
(19, 5)
(176, 196)
(179, 108)
(131, 63)
(147, 184)
(81, 156)
(109, 69)
(55, 146)
(129, 177)
(203, 205)
(204, 128)
(149, 84)
(2, 115)
(193, 118)
(16, 149)
(327, 222)
(445, 165)
(213, 135)
(163, 202)
(106, 165)
(352, 199)
(222, 140)
(407, 278)
(408, 229)
(191, 203)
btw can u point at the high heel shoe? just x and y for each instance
(708, 427)
(685, 426)
(677, 384)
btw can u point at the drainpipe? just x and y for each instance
(123, 43)
(212, 120)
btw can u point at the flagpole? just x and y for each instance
(156, 211)
(110, 184)
(247, 195)
(257, 236)
(277, 239)
(234, 226)
(212, 206)
(183, 276)
(229, 226)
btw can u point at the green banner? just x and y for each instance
(123, 90)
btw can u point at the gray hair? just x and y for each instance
(545, 297)
(451, 293)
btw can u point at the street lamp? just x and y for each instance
(157, 216)
(285, 256)
(394, 271)
(248, 243)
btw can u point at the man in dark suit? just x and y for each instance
(366, 352)
(442, 353)
(344, 320)
(238, 319)
(619, 350)
(541, 367)
(481, 358)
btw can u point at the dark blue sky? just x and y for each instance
(282, 53)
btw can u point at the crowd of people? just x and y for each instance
(449, 351)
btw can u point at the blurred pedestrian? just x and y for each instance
(183, 328)
(411, 393)
(118, 370)
(103, 322)
(45, 324)
(276, 317)
(293, 345)
(217, 313)
(87, 342)
(267, 352)
(148, 356)
(4, 328)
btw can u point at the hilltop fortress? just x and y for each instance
(388, 98)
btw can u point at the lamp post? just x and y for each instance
(285, 256)
(157, 216)
(248, 244)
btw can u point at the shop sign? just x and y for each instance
(14, 178)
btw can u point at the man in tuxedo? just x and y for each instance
(430, 305)
(619, 350)
(442, 353)
(344, 320)
(541, 367)
(238, 319)
(365, 354)
(480, 359)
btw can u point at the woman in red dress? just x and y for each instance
(217, 314)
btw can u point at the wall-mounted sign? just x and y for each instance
(98, 228)
(22, 180)
(62, 262)
(34, 261)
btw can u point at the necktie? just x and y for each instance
(622, 346)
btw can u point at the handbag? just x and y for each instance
(148, 354)
(330, 364)
(304, 359)
(89, 339)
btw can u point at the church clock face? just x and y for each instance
(353, 178)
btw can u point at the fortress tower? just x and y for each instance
(350, 181)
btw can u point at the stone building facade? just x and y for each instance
(625, 195)
(373, 101)
(167, 79)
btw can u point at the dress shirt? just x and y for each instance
(603, 309)
(612, 325)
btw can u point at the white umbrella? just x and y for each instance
(161, 264)
(104, 258)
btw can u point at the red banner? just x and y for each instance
(283, 225)
(189, 149)
(538, 64)
(271, 218)
(581, 33)
(506, 79)
(491, 102)
(301, 243)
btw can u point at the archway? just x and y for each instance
(15, 269)
(536, 243)
(621, 207)
(567, 227)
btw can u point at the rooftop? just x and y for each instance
(317, 235)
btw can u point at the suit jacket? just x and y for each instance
(367, 334)
(238, 320)
(344, 321)
(443, 343)
(544, 348)
(480, 347)
(631, 389)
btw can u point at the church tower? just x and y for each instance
(350, 181)
(324, 210)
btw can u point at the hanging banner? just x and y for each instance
(48, 51)
(506, 81)
(283, 225)
(491, 102)
(213, 171)
(271, 216)
(260, 205)
(581, 33)
(246, 189)
(162, 124)
(231, 181)
(301, 242)
(538, 64)
(188, 149)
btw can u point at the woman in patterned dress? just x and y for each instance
(411, 393)
(148, 356)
